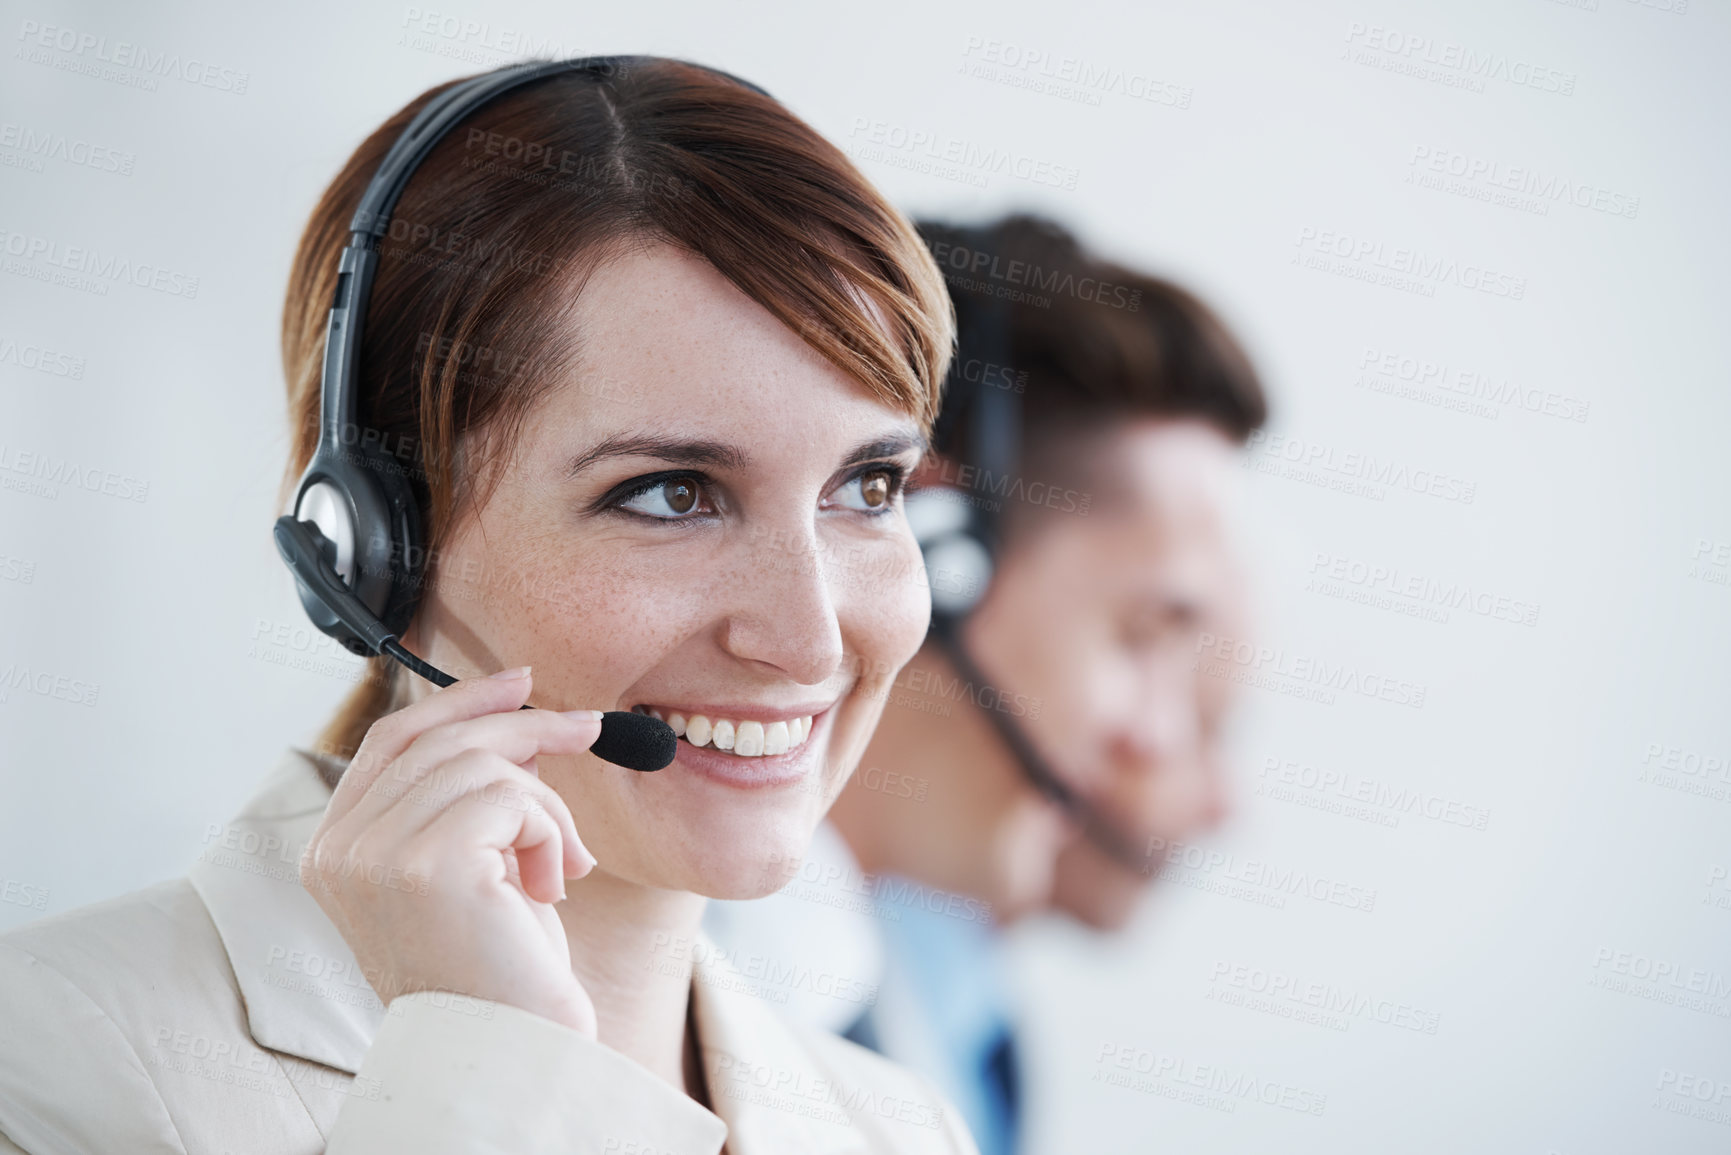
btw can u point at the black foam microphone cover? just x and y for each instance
(635, 741)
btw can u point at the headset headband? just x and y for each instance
(372, 217)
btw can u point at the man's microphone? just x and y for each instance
(635, 741)
(1099, 828)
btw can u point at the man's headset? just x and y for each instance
(353, 542)
(960, 534)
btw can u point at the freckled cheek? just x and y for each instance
(884, 618)
(593, 631)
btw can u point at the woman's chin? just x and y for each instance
(738, 861)
(737, 888)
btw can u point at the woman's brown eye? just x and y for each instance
(875, 490)
(668, 500)
(681, 496)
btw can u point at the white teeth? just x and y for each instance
(746, 739)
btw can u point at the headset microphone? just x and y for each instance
(1094, 825)
(353, 541)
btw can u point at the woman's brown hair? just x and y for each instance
(501, 224)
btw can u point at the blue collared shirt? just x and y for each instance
(954, 973)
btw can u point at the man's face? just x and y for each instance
(1097, 617)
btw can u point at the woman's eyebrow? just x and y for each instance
(678, 450)
(721, 455)
(881, 447)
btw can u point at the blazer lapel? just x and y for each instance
(304, 990)
(764, 1081)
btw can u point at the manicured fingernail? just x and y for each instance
(582, 715)
(514, 672)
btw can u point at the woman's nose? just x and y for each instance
(783, 612)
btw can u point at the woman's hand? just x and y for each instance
(442, 851)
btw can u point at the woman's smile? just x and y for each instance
(749, 732)
(748, 747)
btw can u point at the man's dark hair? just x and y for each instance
(1087, 344)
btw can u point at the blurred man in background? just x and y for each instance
(1055, 728)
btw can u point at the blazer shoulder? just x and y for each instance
(75, 989)
(157, 931)
(126, 1031)
(134, 957)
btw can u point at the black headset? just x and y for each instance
(960, 535)
(354, 540)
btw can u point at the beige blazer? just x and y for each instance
(223, 1013)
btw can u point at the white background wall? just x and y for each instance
(1274, 134)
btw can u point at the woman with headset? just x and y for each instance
(605, 377)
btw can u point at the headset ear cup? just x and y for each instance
(369, 502)
(958, 564)
(321, 615)
(958, 569)
(405, 557)
(409, 554)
